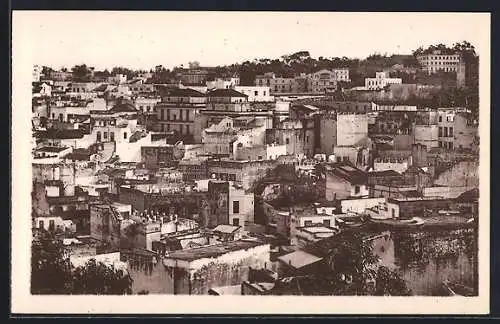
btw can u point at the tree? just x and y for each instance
(81, 73)
(46, 70)
(194, 65)
(389, 283)
(125, 71)
(99, 279)
(50, 266)
(350, 266)
(52, 272)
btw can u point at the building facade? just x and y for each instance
(177, 110)
(381, 81)
(438, 61)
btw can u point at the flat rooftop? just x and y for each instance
(52, 149)
(409, 199)
(299, 259)
(318, 229)
(226, 290)
(213, 251)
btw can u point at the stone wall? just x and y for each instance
(461, 174)
(328, 134)
(352, 129)
(148, 276)
(229, 269)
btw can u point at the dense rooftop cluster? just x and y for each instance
(238, 183)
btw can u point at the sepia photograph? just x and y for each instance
(324, 162)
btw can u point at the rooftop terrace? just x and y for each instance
(213, 251)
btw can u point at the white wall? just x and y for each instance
(395, 166)
(363, 191)
(359, 205)
(256, 93)
(316, 219)
(273, 151)
(131, 152)
(246, 206)
(58, 222)
(259, 252)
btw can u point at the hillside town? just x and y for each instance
(267, 177)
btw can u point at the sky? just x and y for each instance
(142, 40)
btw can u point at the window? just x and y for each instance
(256, 93)
(356, 189)
(445, 131)
(236, 222)
(393, 212)
(125, 135)
(98, 136)
(440, 144)
(450, 132)
(40, 224)
(451, 145)
(105, 135)
(187, 129)
(308, 223)
(287, 141)
(52, 225)
(162, 112)
(236, 207)
(174, 117)
(440, 119)
(307, 139)
(326, 222)
(440, 131)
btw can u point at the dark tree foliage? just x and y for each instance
(122, 70)
(98, 278)
(52, 272)
(389, 283)
(351, 268)
(50, 266)
(81, 73)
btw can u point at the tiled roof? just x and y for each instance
(350, 173)
(61, 133)
(176, 92)
(225, 93)
(123, 107)
(384, 173)
(226, 228)
(470, 195)
(101, 88)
